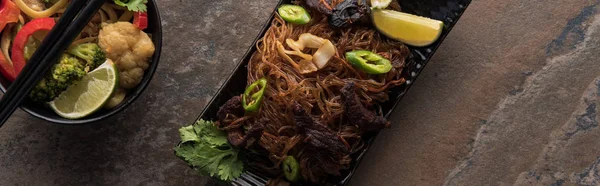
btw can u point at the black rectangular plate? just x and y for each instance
(448, 11)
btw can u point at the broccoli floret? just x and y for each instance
(68, 70)
(91, 53)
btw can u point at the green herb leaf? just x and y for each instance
(205, 148)
(133, 5)
(230, 168)
(208, 133)
(214, 136)
(188, 134)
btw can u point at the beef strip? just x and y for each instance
(236, 137)
(320, 6)
(233, 108)
(325, 153)
(318, 136)
(356, 112)
(350, 12)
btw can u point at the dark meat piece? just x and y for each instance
(322, 6)
(316, 166)
(232, 107)
(349, 12)
(236, 137)
(277, 182)
(325, 153)
(231, 110)
(318, 135)
(356, 112)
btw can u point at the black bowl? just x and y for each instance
(45, 113)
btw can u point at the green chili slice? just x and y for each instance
(253, 95)
(291, 169)
(294, 14)
(369, 62)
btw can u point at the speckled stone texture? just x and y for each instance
(203, 41)
(511, 98)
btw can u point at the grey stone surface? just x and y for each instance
(203, 40)
(511, 98)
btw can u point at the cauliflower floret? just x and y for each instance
(130, 78)
(130, 48)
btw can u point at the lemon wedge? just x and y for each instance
(410, 29)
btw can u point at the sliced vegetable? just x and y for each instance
(252, 102)
(140, 20)
(6, 41)
(133, 5)
(294, 14)
(16, 29)
(9, 12)
(6, 67)
(18, 47)
(325, 51)
(41, 14)
(305, 65)
(205, 148)
(291, 169)
(369, 62)
(112, 15)
(30, 48)
(126, 16)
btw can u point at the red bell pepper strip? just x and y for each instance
(9, 13)
(7, 69)
(140, 20)
(18, 56)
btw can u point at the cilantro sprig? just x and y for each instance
(133, 5)
(205, 148)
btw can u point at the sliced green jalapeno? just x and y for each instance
(291, 169)
(294, 14)
(369, 62)
(251, 102)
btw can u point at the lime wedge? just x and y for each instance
(89, 94)
(411, 29)
(380, 4)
